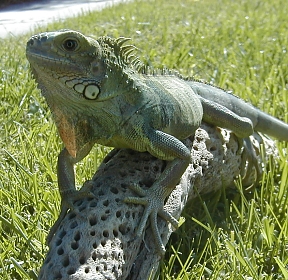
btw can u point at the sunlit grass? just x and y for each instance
(239, 45)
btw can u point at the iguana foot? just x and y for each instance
(249, 155)
(69, 197)
(153, 200)
(67, 203)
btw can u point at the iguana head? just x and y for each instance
(69, 70)
(72, 72)
(71, 60)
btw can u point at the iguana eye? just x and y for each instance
(70, 45)
(91, 92)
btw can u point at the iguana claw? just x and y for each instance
(153, 200)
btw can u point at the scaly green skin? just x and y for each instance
(99, 92)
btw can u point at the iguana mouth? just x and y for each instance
(38, 56)
(47, 64)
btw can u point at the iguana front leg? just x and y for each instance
(153, 198)
(66, 183)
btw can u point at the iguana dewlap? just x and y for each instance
(99, 92)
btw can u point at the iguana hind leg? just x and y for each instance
(242, 127)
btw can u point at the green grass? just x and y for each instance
(239, 45)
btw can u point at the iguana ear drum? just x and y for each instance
(91, 92)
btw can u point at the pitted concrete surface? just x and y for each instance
(21, 18)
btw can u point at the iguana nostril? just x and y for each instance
(30, 42)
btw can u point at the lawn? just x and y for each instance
(238, 45)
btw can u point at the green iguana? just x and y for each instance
(99, 92)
